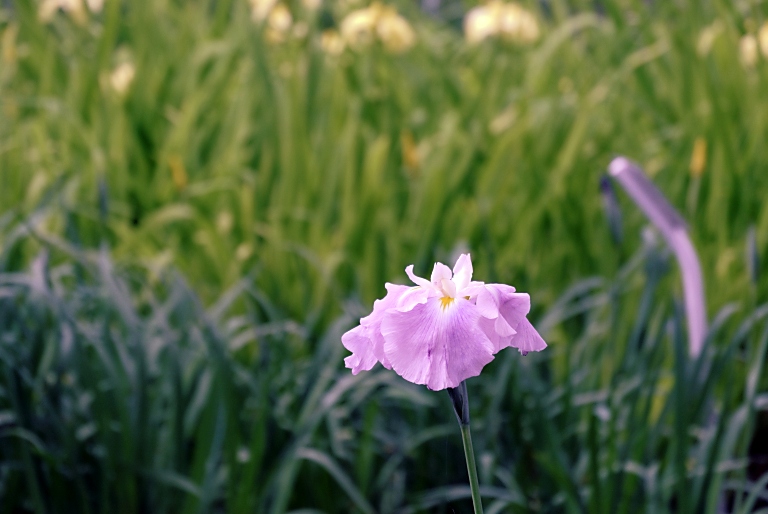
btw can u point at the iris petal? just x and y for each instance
(423, 282)
(411, 298)
(440, 272)
(365, 341)
(435, 346)
(361, 346)
(500, 302)
(527, 338)
(462, 271)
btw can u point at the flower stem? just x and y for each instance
(474, 485)
(461, 408)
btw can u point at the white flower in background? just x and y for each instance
(363, 26)
(74, 8)
(121, 78)
(509, 21)
(748, 50)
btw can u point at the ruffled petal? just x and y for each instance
(436, 346)
(361, 346)
(411, 298)
(515, 307)
(390, 301)
(527, 338)
(365, 341)
(508, 309)
(498, 331)
(472, 290)
(462, 271)
(489, 298)
(394, 293)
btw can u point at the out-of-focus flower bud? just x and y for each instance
(121, 78)
(707, 37)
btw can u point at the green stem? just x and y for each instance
(469, 453)
(460, 401)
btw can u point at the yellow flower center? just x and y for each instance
(445, 301)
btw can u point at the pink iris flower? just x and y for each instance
(443, 330)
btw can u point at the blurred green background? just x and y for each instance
(197, 198)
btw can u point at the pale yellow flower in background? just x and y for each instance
(748, 50)
(300, 30)
(121, 77)
(482, 22)
(8, 44)
(260, 9)
(518, 25)
(762, 38)
(312, 5)
(362, 26)
(280, 18)
(244, 251)
(707, 37)
(358, 27)
(73, 8)
(331, 42)
(395, 32)
(95, 6)
(278, 23)
(224, 222)
(277, 19)
(507, 20)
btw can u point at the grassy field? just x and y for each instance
(193, 209)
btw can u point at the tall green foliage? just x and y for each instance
(322, 176)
